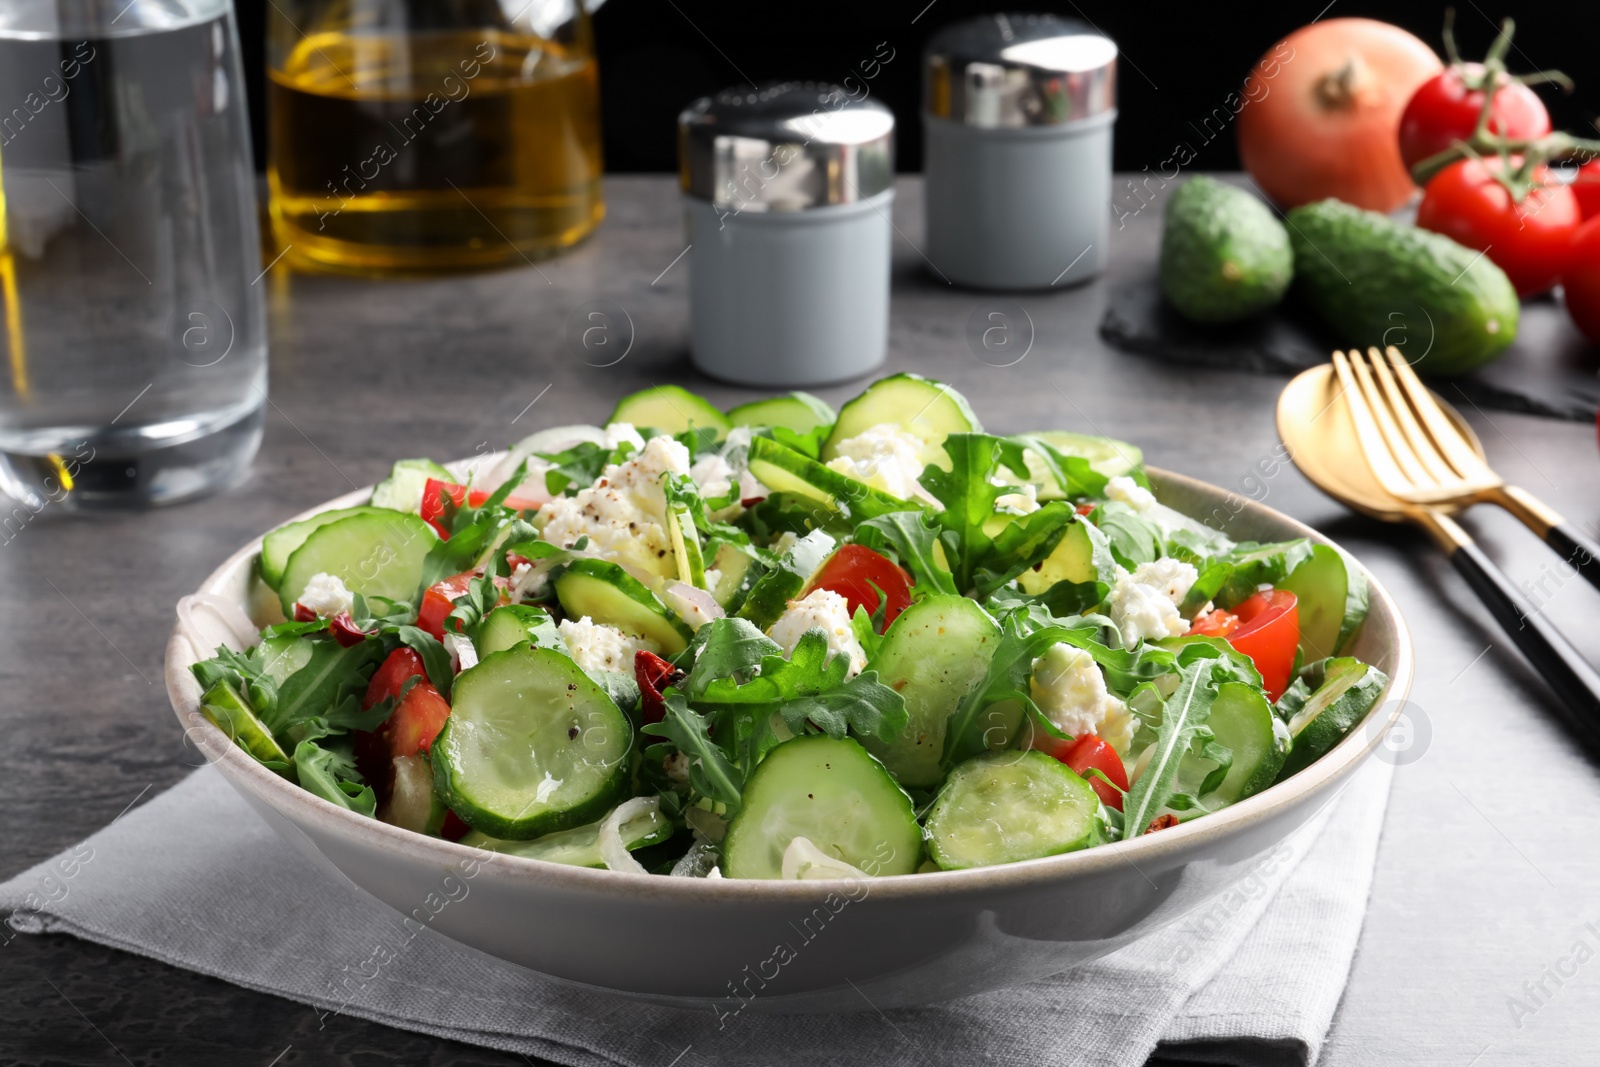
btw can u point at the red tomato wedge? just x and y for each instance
(1086, 753)
(441, 499)
(437, 602)
(653, 675)
(1217, 623)
(854, 570)
(1269, 633)
(391, 675)
(422, 711)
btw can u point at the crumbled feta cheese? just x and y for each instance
(1130, 493)
(1070, 690)
(1144, 604)
(713, 474)
(1023, 502)
(886, 457)
(594, 646)
(785, 542)
(713, 578)
(529, 581)
(463, 653)
(825, 610)
(624, 512)
(326, 596)
(676, 766)
(618, 432)
(715, 872)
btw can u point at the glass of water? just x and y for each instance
(134, 340)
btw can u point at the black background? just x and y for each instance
(1178, 60)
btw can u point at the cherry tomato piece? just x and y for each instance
(1530, 240)
(1444, 111)
(1586, 187)
(1217, 623)
(1086, 753)
(417, 720)
(854, 570)
(1269, 633)
(440, 500)
(437, 602)
(391, 675)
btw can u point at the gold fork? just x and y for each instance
(1431, 470)
(1434, 464)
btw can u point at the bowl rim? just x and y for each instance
(1159, 849)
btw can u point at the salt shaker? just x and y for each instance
(787, 191)
(1017, 117)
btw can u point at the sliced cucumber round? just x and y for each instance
(831, 792)
(606, 593)
(1106, 455)
(408, 479)
(1072, 560)
(532, 745)
(413, 804)
(933, 655)
(510, 625)
(1009, 806)
(1345, 691)
(670, 409)
(279, 545)
(931, 410)
(580, 846)
(770, 596)
(1332, 596)
(800, 412)
(1241, 721)
(783, 470)
(376, 553)
(234, 716)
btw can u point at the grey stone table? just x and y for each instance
(1486, 873)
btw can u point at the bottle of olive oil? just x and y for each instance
(397, 144)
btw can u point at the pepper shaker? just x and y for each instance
(1017, 117)
(787, 191)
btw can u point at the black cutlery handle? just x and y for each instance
(1575, 682)
(1579, 552)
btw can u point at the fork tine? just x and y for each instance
(1438, 470)
(1367, 432)
(1456, 450)
(1399, 447)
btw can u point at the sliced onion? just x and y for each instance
(804, 860)
(694, 606)
(209, 621)
(463, 654)
(554, 439)
(698, 862)
(749, 487)
(612, 848)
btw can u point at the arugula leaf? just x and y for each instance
(1061, 602)
(472, 531)
(435, 660)
(808, 444)
(726, 648)
(330, 773)
(968, 494)
(1006, 679)
(913, 536)
(1073, 474)
(711, 773)
(332, 673)
(1133, 538)
(1257, 564)
(578, 466)
(1024, 542)
(1182, 723)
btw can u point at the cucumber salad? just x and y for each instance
(777, 642)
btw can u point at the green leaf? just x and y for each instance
(711, 773)
(808, 444)
(332, 673)
(1073, 474)
(472, 531)
(1133, 538)
(912, 536)
(330, 772)
(1022, 543)
(435, 660)
(1183, 718)
(578, 466)
(968, 494)
(1260, 564)
(1006, 679)
(727, 648)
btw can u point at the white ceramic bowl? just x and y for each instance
(813, 946)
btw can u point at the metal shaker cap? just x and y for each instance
(1019, 70)
(786, 147)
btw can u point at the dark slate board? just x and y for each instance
(1549, 370)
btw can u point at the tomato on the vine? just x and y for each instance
(1529, 240)
(1586, 187)
(1445, 110)
(1580, 283)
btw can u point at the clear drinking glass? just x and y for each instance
(420, 135)
(135, 330)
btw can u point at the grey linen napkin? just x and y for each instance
(196, 879)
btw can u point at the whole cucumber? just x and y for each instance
(1224, 254)
(1447, 308)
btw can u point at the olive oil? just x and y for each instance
(432, 150)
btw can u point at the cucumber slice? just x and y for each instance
(783, 470)
(580, 846)
(931, 410)
(770, 596)
(1242, 722)
(686, 545)
(670, 409)
(832, 792)
(1332, 594)
(800, 412)
(402, 490)
(413, 805)
(232, 714)
(606, 593)
(738, 570)
(1257, 565)
(279, 545)
(511, 624)
(1106, 455)
(532, 745)
(936, 651)
(376, 553)
(1081, 555)
(1009, 806)
(1345, 690)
